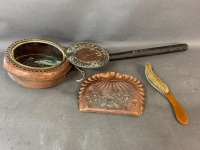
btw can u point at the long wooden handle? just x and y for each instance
(180, 113)
(149, 51)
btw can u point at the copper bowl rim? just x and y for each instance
(12, 47)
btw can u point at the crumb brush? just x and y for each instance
(157, 83)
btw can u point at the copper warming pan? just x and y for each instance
(38, 63)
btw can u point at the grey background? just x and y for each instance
(49, 119)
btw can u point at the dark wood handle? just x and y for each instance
(149, 51)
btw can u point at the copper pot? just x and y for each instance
(36, 63)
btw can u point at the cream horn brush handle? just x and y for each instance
(157, 83)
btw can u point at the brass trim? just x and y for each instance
(32, 40)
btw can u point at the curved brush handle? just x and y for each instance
(180, 113)
(149, 51)
(158, 84)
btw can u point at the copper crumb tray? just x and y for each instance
(112, 92)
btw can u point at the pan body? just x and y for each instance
(36, 63)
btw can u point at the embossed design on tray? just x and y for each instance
(112, 93)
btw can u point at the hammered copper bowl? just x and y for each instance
(36, 63)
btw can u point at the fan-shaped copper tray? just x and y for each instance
(112, 92)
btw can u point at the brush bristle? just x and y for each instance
(154, 79)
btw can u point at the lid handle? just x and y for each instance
(82, 72)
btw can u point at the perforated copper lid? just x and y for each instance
(87, 55)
